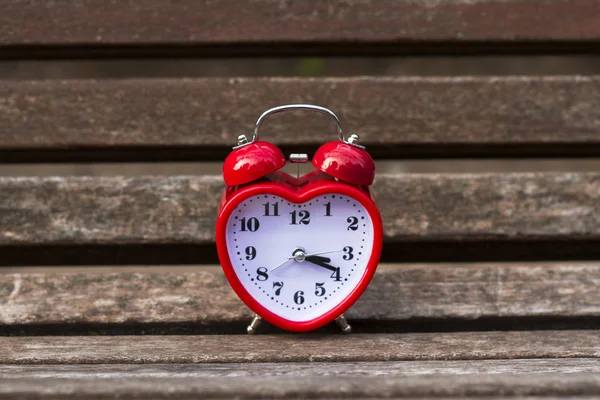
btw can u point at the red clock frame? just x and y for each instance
(234, 196)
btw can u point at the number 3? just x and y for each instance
(348, 255)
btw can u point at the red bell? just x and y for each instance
(252, 161)
(346, 160)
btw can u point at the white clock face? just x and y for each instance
(299, 260)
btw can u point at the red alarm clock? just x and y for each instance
(298, 251)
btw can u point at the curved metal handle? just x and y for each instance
(309, 107)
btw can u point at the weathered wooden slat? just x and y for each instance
(307, 380)
(163, 210)
(298, 369)
(278, 21)
(363, 387)
(299, 347)
(398, 292)
(396, 114)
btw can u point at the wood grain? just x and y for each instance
(398, 292)
(553, 384)
(87, 22)
(390, 112)
(299, 347)
(307, 380)
(302, 369)
(166, 210)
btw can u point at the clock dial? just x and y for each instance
(300, 260)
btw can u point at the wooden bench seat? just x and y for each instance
(82, 210)
(201, 297)
(549, 363)
(269, 23)
(145, 119)
(488, 286)
(556, 378)
(300, 348)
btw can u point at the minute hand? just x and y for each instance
(323, 252)
(321, 263)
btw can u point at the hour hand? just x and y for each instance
(318, 259)
(321, 263)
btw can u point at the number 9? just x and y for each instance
(250, 253)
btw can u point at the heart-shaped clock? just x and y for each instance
(298, 251)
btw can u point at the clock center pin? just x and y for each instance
(299, 254)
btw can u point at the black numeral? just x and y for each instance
(336, 275)
(328, 209)
(299, 297)
(250, 253)
(348, 255)
(353, 221)
(275, 207)
(261, 274)
(252, 225)
(319, 289)
(303, 215)
(279, 286)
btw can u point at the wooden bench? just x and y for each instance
(489, 282)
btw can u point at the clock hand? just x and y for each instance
(317, 258)
(325, 259)
(323, 264)
(281, 265)
(314, 258)
(323, 252)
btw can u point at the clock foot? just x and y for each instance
(254, 324)
(343, 324)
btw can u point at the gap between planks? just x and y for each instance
(431, 166)
(290, 66)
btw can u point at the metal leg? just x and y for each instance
(256, 321)
(342, 323)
